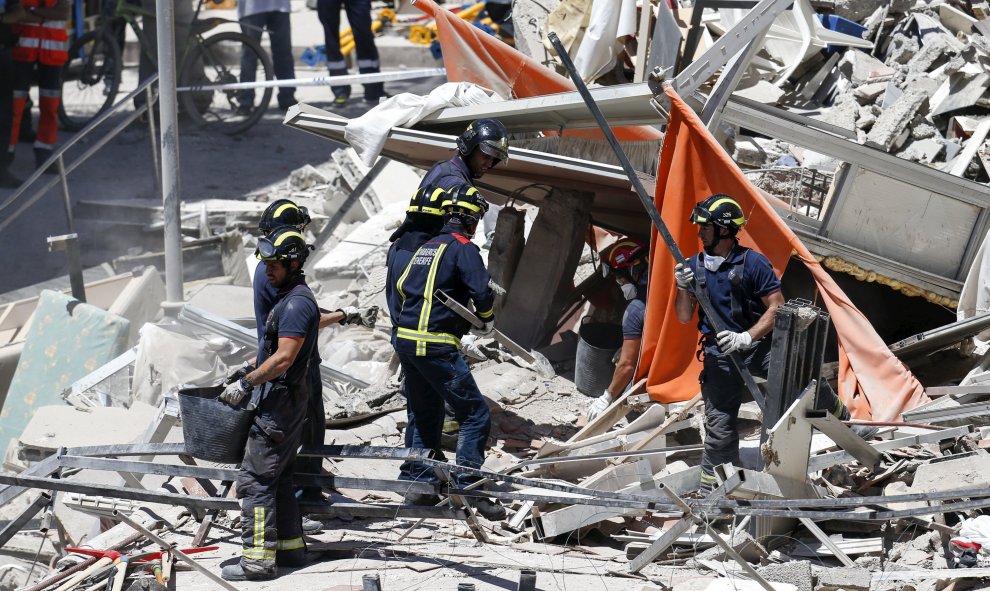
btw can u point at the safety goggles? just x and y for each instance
(266, 250)
(700, 215)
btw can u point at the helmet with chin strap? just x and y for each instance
(720, 210)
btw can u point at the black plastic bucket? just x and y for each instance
(593, 367)
(213, 430)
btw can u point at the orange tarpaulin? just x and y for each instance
(472, 55)
(872, 382)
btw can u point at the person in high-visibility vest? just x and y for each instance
(10, 12)
(42, 50)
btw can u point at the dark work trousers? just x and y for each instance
(270, 519)
(280, 37)
(430, 382)
(314, 432)
(359, 17)
(722, 390)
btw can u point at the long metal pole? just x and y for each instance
(651, 209)
(165, 14)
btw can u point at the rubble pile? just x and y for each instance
(98, 458)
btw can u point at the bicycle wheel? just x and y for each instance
(217, 60)
(90, 79)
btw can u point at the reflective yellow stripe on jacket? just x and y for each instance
(421, 335)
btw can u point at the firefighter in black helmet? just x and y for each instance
(271, 530)
(482, 146)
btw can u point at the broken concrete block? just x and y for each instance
(867, 93)
(924, 151)
(902, 49)
(964, 473)
(303, 178)
(938, 48)
(843, 113)
(886, 132)
(848, 578)
(857, 10)
(796, 572)
(863, 68)
(866, 117)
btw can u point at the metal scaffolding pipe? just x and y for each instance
(167, 108)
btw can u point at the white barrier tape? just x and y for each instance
(323, 80)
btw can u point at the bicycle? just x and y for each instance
(91, 77)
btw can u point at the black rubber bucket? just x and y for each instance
(213, 430)
(593, 367)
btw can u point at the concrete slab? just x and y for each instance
(52, 427)
(968, 472)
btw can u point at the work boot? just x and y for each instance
(311, 526)
(237, 572)
(488, 509)
(41, 155)
(291, 558)
(423, 500)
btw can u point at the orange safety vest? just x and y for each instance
(47, 42)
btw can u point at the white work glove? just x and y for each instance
(469, 347)
(234, 393)
(484, 331)
(730, 342)
(364, 316)
(684, 276)
(599, 405)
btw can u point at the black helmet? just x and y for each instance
(721, 210)
(489, 135)
(284, 244)
(283, 212)
(427, 200)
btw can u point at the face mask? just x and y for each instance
(712, 263)
(629, 291)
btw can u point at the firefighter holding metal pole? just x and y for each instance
(744, 291)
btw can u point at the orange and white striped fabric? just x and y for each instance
(47, 42)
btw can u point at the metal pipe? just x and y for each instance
(651, 209)
(65, 194)
(156, 166)
(168, 109)
(165, 545)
